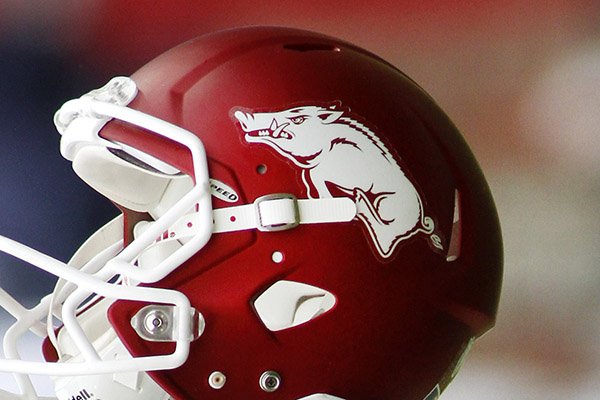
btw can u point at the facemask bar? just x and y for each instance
(199, 195)
(90, 258)
(76, 284)
(108, 103)
(29, 319)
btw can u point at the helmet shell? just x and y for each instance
(408, 302)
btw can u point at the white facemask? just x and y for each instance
(92, 361)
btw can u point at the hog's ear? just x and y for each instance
(329, 116)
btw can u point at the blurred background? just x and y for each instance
(521, 80)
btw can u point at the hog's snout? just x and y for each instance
(244, 119)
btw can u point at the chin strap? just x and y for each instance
(277, 212)
(271, 213)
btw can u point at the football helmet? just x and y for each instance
(299, 221)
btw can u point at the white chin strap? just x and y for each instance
(271, 213)
(182, 209)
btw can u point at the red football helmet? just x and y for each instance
(299, 221)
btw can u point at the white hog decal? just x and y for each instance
(340, 156)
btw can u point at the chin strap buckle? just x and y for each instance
(277, 212)
(283, 211)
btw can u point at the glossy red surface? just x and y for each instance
(400, 323)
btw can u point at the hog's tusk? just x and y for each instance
(279, 129)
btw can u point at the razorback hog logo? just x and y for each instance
(340, 156)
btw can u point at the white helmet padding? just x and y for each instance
(129, 185)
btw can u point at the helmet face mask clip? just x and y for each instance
(301, 238)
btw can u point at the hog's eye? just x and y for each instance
(298, 120)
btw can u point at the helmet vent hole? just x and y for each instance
(311, 47)
(261, 169)
(277, 257)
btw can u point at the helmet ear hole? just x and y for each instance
(287, 304)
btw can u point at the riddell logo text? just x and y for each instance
(83, 395)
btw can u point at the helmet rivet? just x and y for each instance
(162, 323)
(156, 322)
(217, 380)
(270, 381)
